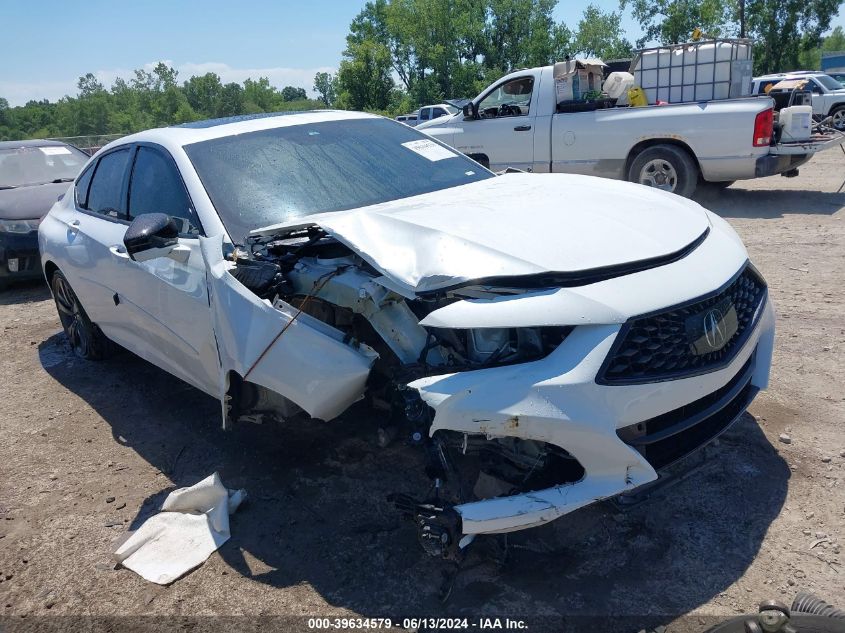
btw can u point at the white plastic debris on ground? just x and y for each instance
(192, 524)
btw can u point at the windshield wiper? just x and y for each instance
(8, 186)
(62, 180)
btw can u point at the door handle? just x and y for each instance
(73, 227)
(522, 128)
(119, 250)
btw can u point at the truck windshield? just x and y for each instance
(271, 176)
(28, 166)
(828, 82)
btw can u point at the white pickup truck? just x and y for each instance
(515, 122)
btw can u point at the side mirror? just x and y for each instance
(150, 236)
(470, 112)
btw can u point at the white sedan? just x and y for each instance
(549, 340)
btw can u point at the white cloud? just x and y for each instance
(18, 93)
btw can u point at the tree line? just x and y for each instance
(401, 54)
(454, 48)
(149, 99)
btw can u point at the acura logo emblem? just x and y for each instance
(715, 331)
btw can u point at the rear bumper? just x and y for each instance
(19, 258)
(773, 164)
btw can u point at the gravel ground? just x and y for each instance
(753, 518)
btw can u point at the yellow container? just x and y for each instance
(636, 97)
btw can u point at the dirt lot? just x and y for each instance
(758, 519)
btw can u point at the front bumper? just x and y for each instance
(19, 258)
(557, 400)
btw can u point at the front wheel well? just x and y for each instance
(835, 107)
(50, 269)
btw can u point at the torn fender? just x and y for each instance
(309, 364)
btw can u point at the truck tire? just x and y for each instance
(481, 159)
(667, 167)
(85, 338)
(838, 116)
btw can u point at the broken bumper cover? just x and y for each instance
(557, 400)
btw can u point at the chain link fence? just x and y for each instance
(90, 143)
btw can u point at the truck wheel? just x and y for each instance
(666, 167)
(86, 339)
(838, 116)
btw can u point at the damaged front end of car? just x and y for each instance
(494, 380)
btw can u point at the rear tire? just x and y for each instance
(665, 167)
(481, 159)
(85, 338)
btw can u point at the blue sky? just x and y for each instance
(47, 44)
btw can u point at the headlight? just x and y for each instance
(497, 346)
(18, 226)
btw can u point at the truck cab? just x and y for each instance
(432, 112)
(519, 122)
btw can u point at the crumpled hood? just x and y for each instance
(30, 203)
(512, 225)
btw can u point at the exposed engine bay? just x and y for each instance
(316, 275)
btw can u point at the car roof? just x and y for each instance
(31, 143)
(795, 73)
(198, 131)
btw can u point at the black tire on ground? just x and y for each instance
(86, 339)
(667, 167)
(481, 159)
(719, 184)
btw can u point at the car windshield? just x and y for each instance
(26, 166)
(828, 82)
(272, 176)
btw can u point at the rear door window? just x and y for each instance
(107, 194)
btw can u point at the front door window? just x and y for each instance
(511, 98)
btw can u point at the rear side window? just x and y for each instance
(106, 194)
(156, 187)
(82, 187)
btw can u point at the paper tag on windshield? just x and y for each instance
(54, 151)
(429, 149)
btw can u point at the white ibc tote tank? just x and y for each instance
(696, 71)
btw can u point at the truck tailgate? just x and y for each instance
(816, 143)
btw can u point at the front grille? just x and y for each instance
(667, 438)
(660, 346)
